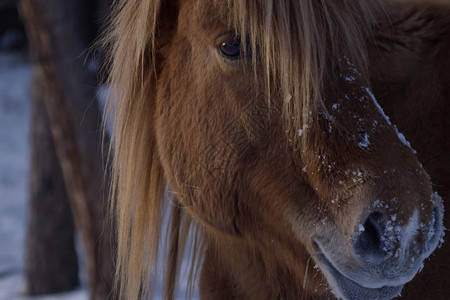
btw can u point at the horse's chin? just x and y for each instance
(347, 289)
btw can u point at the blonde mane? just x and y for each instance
(297, 42)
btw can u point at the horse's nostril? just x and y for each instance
(369, 239)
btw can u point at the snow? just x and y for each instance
(14, 131)
(12, 287)
(361, 228)
(380, 109)
(351, 78)
(364, 142)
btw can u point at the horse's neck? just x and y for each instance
(410, 42)
(227, 274)
(232, 270)
(406, 34)
(410, 72)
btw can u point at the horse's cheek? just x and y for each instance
(192, 163)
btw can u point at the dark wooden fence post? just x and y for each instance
(51, 260)
(58, 40)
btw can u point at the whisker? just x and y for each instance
(306, 272)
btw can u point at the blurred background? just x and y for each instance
(53, 240)
(55, 237)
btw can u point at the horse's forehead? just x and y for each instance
(206, 15)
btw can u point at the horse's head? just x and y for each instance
(269, 135)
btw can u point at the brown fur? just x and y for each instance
(252, 191)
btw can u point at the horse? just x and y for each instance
(298, 148)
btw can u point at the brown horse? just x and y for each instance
(265, 118)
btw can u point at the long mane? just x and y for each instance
(298, 41)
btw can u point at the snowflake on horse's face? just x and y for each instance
(261, 118)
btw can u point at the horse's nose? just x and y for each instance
(380, 238)
(370, 241)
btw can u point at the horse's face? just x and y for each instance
(351, 194)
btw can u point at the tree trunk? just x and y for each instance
(58, 39)
(51, 259)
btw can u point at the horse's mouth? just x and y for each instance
(348, 289)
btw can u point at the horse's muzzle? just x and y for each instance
(384, 255)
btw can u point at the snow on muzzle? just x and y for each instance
(385, 254)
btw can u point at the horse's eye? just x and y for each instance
(231, 49)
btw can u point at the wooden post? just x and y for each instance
(58, 41)
(51, 260)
